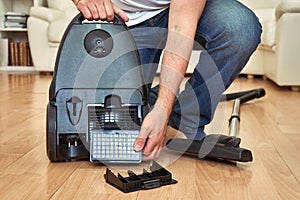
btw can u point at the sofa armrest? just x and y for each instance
(46, 14)
(289, 6)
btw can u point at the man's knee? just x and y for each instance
(245, 30)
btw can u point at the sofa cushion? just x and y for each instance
(268, 22)
(56, 30)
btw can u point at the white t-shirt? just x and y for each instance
(141, 10)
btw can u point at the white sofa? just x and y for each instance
(46, 25)
(277, 57)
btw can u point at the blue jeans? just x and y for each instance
(229, 33)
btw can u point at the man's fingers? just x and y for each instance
(94, 11)
(140, 141)
(109, 11)
(121, 13)
(152, 155)
(103, 10)
(139, 144)
(150, 146)
(85, 12)
(143, 134)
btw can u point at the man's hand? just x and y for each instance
(99, 9)
(152, 134)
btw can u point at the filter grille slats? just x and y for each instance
(113, 119)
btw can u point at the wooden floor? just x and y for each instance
(269, 127)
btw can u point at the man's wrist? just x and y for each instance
(165, 99)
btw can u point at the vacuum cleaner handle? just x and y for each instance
(256, 93)
(252, 95)
(78, 19)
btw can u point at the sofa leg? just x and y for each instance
(264, 78)
(295, 88)
(250, 76)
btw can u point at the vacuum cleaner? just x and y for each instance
(98, 100)
(97, 97)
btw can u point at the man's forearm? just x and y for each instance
(183, 19)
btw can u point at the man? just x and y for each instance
(230, 33)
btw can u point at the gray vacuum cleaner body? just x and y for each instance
(97, 90)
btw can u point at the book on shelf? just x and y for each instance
(15, 20)
(13, 13)
(4, 52)
(15, 25)
(19, 54)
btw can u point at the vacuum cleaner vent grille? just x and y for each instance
(113, 118)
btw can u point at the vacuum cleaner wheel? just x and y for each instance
(51, 132)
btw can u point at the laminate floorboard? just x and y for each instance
(269, 127)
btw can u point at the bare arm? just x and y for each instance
(182, 28)
(183, 20)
